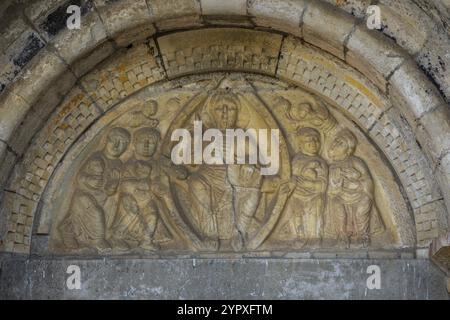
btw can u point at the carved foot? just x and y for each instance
(120, 245)
(211, 244)
(70, 243)
(102, 246)
(301, 243)
(237, 242)
(365, 241)
(148, 245)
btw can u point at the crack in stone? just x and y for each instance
(391, 74)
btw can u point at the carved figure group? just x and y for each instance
(119, 205)
(331, 201)
(130, 195)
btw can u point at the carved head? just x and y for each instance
(94, 169)
(117, 142)
(343, 146)
(146, 142)
(309, 141)
(150, 108)
(301, 111)
(222, 109)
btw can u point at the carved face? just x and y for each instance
(300, 111)
(310, 145)
(309, 141)
(340, 148)
(94, 169)
(145, 144)
(225, 112)
(117, 143)
(150, 108)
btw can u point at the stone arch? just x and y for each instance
(412, 103)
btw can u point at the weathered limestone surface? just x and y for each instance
(282, 15)
(374, 56)
(420, 27)
(443, 174)
(56, 83)
(440, 252)
(235, 49)
(119, 17)
(408, 86)
(355, 7)
(7, 158)
(175, 14)
(123, 74)
(437, 136)
(222, 279)
(223, 8)
(11, 116)
(327, 27)
(181, 53)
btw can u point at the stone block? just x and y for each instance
(440, 252)
(14, 213)
(40, 9)
(138, 34)
(175, 14)
(434, 59)
(12, 108)
(424, 238)
(423, 253)
(406, 25)
(412, 92)
(282, 15)
(383, 255)
(327, 27)
(25, 131)
(40, 111)
(50, 18)
(407, 255)
(433, 132)
(224, 8)
(41, 72)
(12, 27)
(297, 255)
(18, 55)
(7, 161)
(84, 64)
(116, 77)
(187, 52)
(443, 176)
(220, 279)
(358, 8)
(73, 44)
(122, 18)
(374, 55)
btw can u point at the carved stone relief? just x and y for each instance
(126, 194)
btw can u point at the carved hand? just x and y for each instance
(351, 173)
(244, 176)
(286, 187)
(95, 181)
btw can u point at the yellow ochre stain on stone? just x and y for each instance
(366, 91)
(350, 80)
